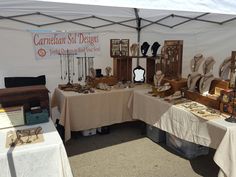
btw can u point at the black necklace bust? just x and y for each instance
(144, 48)
(154, 48)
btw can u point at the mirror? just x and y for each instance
(139, 73)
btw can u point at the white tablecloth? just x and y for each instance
(216, 133)
(45, 159)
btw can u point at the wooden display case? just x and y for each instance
(195, 96)
(119, 47)
(171, 61)
(213, 100)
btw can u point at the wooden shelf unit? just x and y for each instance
(122, 68)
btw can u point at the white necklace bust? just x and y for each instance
(196, 62)
(224, 69)
(205, 83)
(157, 78)
(208, 65)
(192, 80)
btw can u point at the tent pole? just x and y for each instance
(138, 20)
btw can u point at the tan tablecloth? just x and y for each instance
(216, 133)
(93, 110)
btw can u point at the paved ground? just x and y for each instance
(127, 152)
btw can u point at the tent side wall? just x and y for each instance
(17, 52)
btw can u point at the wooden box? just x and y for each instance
(213, 100)
(109, 80)
(27, 96)
(32, 118)
(176, 85)
(195, 96)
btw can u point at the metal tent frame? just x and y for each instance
(137, 18)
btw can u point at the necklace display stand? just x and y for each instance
(208, 77)
(224, 69)
(67, 62)
(208, 65)
(157, 78)
(205, 83)
(192, 80)
(196, 62)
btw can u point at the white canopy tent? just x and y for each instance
(207, 27)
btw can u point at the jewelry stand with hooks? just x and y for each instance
(232, 117)
(67, 59)
(85, 64)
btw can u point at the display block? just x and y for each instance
(11, 117)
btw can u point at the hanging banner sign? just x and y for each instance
(50, 45)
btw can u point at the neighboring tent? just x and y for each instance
(205, 26)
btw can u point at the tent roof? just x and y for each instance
(210, 6)
(150, 11)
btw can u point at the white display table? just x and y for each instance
(47, 158)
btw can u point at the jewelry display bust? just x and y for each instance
(205, 83)
(154, 48)
(192, 80)
(134, 49)
(224, 69)
(157, 78)
(208, 65)
(144, 48)
(196, 62)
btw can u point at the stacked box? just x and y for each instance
(89, 132)
(184, 148)
(155, 134)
